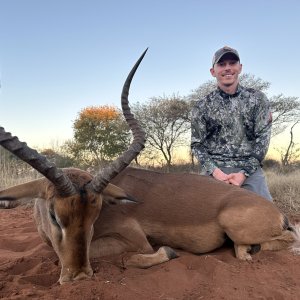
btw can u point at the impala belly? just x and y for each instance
(193, 238)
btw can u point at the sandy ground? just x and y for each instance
(29, 269)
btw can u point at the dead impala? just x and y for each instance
(129, 211)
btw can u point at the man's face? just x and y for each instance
(227, 71)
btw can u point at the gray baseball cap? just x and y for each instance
(221, 52)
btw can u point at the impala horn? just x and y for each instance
(102, 179)
(39, 162)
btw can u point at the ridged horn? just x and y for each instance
(39, 162)
(102, 179)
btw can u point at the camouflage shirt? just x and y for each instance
(231, 130)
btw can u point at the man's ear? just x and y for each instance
(212, 72)
(241, 68)
(114, 195)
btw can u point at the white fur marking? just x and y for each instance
(295, 248)
(5, 204)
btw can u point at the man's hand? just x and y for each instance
(236, 178)
(233, 178)
(220, 175)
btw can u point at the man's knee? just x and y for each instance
(257, 184)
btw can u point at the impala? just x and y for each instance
(129, 211)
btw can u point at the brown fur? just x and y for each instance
(185, 211)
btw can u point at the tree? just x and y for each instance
(284, 109)
(61, 160)
(246, 80)
(100, 134)
(166, 123)
(291, 153)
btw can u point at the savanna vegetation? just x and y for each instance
(284, 183)
(101, 134)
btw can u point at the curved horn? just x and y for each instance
(101, 180)
(39, 162)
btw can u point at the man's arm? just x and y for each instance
(198, 136)
(262, 133)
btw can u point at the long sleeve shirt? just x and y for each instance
(231, 130)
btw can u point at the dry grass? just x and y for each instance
(13, 175)
(285, 189)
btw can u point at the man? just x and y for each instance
(231, 127)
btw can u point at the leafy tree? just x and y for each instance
(100, 134)
(166, 123)
(61, 160)
(246, 80)
(285, 110)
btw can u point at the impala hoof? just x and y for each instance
(170, 252)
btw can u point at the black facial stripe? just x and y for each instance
(83, 194)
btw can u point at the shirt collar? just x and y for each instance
(226, 96)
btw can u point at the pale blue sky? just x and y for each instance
(57, 56)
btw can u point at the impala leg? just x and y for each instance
(162, 255)
(146, 257)
(108, 246)
(283, 241)
(242, 252)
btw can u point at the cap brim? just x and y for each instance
(227, 52)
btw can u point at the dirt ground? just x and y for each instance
(29, 269)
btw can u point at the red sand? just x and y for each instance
(29, 269)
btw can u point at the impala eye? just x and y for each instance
(53, 218)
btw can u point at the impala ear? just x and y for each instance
(114, 195)
(33, 189)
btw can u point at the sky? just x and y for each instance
(59, 56)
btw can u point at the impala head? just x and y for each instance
(73, 198)
(71, 219)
